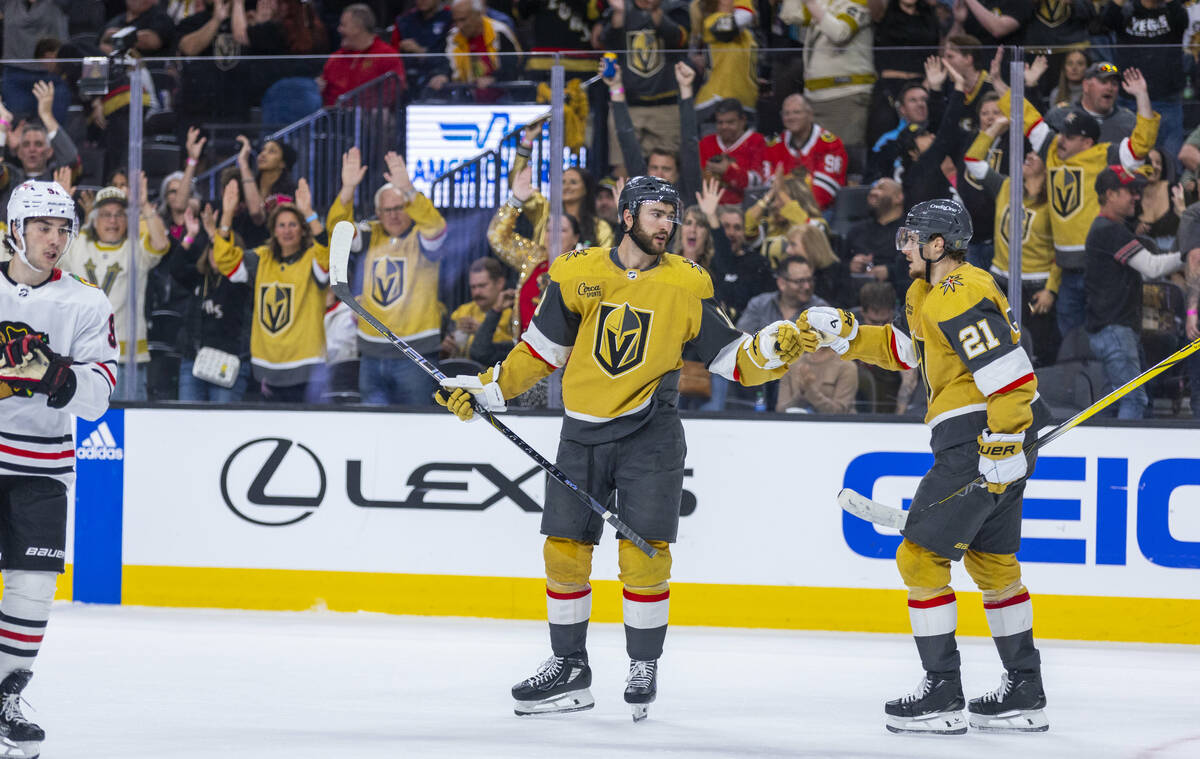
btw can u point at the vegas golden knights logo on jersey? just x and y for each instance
(1066, 190)
(387, 280)
(275, 306)
(622, 333)
(1053, 12)
(1006, 223)
(110, 275)
(645, 56)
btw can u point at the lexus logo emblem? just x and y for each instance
(252, 468)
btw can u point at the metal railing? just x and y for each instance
(370, 116)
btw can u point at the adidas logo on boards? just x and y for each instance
(100, 445)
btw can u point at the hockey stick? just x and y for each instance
(890, 516)
(339, 281)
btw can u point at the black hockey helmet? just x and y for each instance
(936, 218)
(640, 190)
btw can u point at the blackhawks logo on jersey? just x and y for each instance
(387, 280)
(622, 333)
(1066, 190)
(275, 304)
(10, 331)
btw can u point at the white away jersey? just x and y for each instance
(76, 320)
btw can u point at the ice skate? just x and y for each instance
(13, 724)
(935, 707)
(641, 687)
(1015, 707)
(559, 686)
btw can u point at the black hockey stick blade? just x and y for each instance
(339, 281)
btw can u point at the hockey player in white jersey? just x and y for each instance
(58, 355)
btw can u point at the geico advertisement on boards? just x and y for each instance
(1108, 511)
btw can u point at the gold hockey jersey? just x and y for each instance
(399, 278)
(1037, 241)
(1073, 201)
(960, 332)
(622, 335)
(287, 336)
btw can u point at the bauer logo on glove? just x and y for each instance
(835, 327)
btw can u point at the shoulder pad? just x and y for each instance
(690, 275)
(575, 263)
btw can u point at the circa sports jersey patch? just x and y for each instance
(275, 306)
(387, 280)
(622, 333)
(951, 282)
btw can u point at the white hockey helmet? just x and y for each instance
(33, 199)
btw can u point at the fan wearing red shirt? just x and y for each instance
(734, 155)
(361, 58)
(805, 143)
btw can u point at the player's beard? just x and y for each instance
(646, 242)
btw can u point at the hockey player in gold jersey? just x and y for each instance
(984, 415)
(620, 320)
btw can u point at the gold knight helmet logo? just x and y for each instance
(387, 280)
(622, 333)
(1066, 190)
(645, 55)
(275, 306)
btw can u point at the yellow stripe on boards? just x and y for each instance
(66, 584)
(1152, 620)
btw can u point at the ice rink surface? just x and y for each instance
(150, 683)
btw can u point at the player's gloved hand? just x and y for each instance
(836, 327)
(1001, 460)
(484, 388)
(775, 345)
(27, 363)
(457, 401)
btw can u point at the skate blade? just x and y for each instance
(938, 723)
(574, 701)
(640, 711)
(1016, 721)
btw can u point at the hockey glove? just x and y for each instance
(484, 389)
(1001, 460)
(27, 363)
(775, 345)
(835, 327)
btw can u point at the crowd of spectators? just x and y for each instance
(797, 131)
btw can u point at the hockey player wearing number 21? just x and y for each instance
(58, 356)
(984, 414)
(620, 320)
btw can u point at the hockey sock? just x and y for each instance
(568, 593)
(646, 611)
(24, 610)
(647, 598)
(934, 618)
(568, 609)
(1010, 618)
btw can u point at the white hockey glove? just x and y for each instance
(835, 327)
(777, 344)
(1001, 460)
(458, 391)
